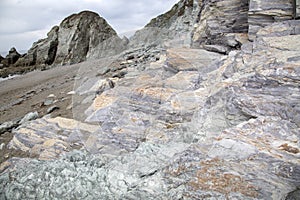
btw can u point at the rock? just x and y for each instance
(7, 126)
(216, 48)
(92, 32)
(218, 21)
(172, 28)
(293, 195)
(263, 13)
(51, 96)
(71, 93)
(192, 125)
(58, 135)
(29, 117)
(48, 102)
(2, 146)
(12, 56)
(52, 108)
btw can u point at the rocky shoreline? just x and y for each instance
(162, 120)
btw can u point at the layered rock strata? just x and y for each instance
(193, 125)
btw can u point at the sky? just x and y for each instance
(23, 22)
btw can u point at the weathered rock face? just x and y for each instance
(223, 23)
(176, 123)
(263, 13)
(175, 25)
(42, 52)
(79, 37)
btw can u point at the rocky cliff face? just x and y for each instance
(175, 25)
(221, 23)
(79, 37)
(225, 25)
(263, 13)
(71, 41)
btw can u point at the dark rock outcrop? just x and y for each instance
(11, 58)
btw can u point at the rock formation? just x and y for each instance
(11, 58)
(79, 37)
(176, 123)
(174, 25)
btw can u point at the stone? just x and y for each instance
(218, 21)
(192, 125)
(262, 13)
(71, 93)
(52, 108)
(92, 32)
(2, 146)
(51, 96)
(7, 126)
(48, 102)
(29, 117)
(12, 56)
(172, 28)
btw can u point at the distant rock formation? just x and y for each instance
(11, 58)
(79, 37)
(71, 41)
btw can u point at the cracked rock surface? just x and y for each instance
(187, 124)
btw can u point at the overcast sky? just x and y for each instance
(23, 22)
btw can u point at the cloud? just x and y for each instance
(22, 22)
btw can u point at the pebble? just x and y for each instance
(29, 117)
(51, 96)
(2, 146)
(52, 108)
(71, 93)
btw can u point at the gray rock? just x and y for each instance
(52, 108)
(48, 102)
(29, 117)
(12, 57)
(7, 126)
(193, 125)
(263, 13)
(2, 146)
(172, 28)
(218, 21)
(79, 37)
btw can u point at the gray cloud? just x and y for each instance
(23, 22)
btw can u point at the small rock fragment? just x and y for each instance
(29, 117)
(52, 108)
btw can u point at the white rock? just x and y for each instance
(29, 117)
(71, 93)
